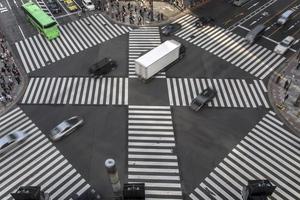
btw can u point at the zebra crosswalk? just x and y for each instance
(3, 8)
(151, 152)
(254, 59)
(77, 90)
(141, 41)
(267, 152)
(36, 162)
(36, 51)
(237, 93)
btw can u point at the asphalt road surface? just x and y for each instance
(148, 128)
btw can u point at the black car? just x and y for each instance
(170, 29)
(203, 21)
(202, 99)
(53, 6)
(102, 67)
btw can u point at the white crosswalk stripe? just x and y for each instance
(151, 151)
(230, 92)
(254, 59)
(37, 52)
(141, 41)
(3, 8)
(269, 151)
(76, 90)
(35, 162)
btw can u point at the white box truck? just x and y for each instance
(158, 58)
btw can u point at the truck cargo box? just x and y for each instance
(157, 59)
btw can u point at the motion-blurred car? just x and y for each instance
(103, 67)
(53, 6)
(66, 128)
(88, 5)
(202, 99)
(170, 29)
(71, 5)
(11, 140)
(255, 33)
(284, 45)
(203, 21)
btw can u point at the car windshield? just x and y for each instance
(285, 43)
(89, 3)
(62, 126)
(12, 137)
(72, 121)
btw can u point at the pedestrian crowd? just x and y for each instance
(132, 12)
(9, 73)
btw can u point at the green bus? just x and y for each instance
(45, 24)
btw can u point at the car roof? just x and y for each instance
(287, 13)
(289, 38)
(63, 125)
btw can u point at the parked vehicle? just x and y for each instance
(284, 17)
(71, 5)
(203, 21)
(11, 140)
(255, 33)
(102, 67)
(53, 6)
(158, 59)
(239, 2)
(66, 128)
(170, 29)
(284, 45)
(88, 5)
(202, 99)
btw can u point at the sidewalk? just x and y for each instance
(12, 79)
(138, 13)
(284, 87)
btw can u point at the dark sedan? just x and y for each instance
(53, 6)
(170, 29)
(203, 21)
(202, 99)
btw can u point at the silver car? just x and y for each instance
(66, 128)
(11, 140)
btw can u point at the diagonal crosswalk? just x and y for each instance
(254, 59)
(269, 151)
(236, 93)
(77, 90)
(37, 52)
(151, 151)
(141, 41)
(36, 162)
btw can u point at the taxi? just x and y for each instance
(70, 4)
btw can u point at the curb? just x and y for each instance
(272, 100)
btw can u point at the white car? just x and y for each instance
(66, 128)
(88, 4)
(284, 45)
(11, 140)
